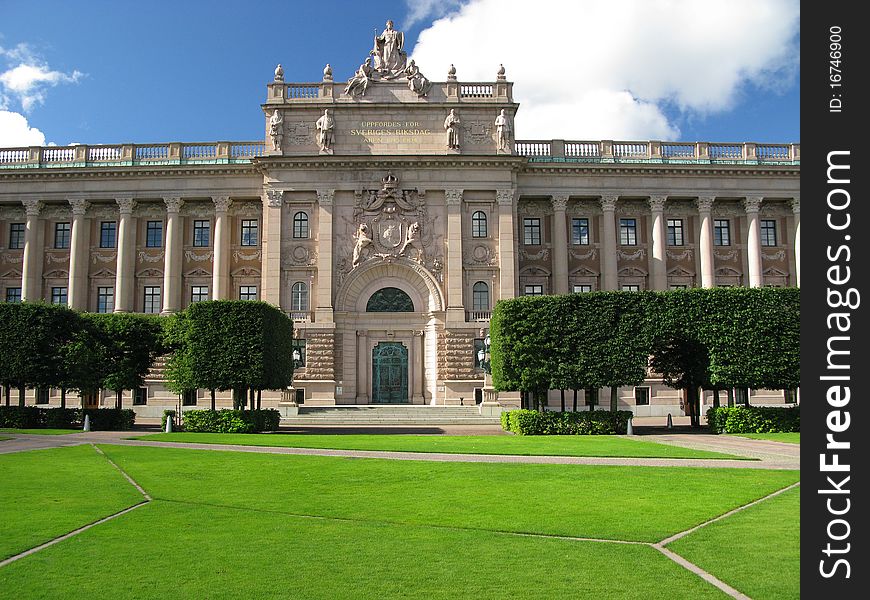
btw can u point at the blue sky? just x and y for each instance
(157, 71)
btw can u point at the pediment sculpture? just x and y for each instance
(387, 61)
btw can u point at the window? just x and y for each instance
(791, 396)
(679, 286)
(248, 292)
(198, 293)
(200, 233)
(298, 345)
(300, 225)
(580, 231)
(390, 299)
(299, 296)
(13, 294)
(105, 299)
(61, 235)
(630, 287)
(532, 231)
(42, 395)
(152, 299)
(480, 296)
(721, 232)
(534, 290)
(628, 232)
(140, 397)
(249, 232)
(641, 396)
(300, 395)
(478, 224)
(188, 398)
(108, 234)
(16, 236)
(768, 232)
(675, 232)
(154, 234)
(478, 346)
(58, 295)
(581, 288)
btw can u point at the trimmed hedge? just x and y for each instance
(34, 417)
(231, 421)
(754, 419)
(20, 417)
(111, 419)
(532, 422)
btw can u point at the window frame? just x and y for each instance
(574, 287)
(17, 233)
(301, 225)
(56, 295)
(721, 226)
(648, 393)
(479, 224)
(148, 296)
(580, 231)
(108, 296)
(538, 292)
(675, 232)
(299, 291)
(201, 233)
(532, 231)
(478, 293)
(767, 233)
(12, 298)
(158, 231)
(108, 234)
(62, 235)
(628, 231)
(194, 293)
(250, 232)
(140, 396)
(243, 293)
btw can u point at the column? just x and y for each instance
(796, 236)
(455, 308)
(752, 204)
(507, 244)
(325, 201)
(659, 278)
(705, 210)
(560, 244)
(609, 275)
(31, 269)
(80, 241)
(417, 393)
(172, 257)
(362, 367)
(125, 264)
(220, 272)
(270, 276)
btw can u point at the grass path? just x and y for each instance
(789, 438)
(41, 431)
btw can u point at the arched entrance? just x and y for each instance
(390, 373)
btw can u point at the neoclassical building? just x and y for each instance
(387, 215)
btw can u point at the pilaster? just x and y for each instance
(270, 277)
(31, 269)
(325, 202)
(560, 244)
(507, 257)
(752, 205)
(659, 264)
(172, 256)
(455, 308)
(220, 274)
(80, 241)
(705, 208)
(609, 274)
(796, 237)
(125, 262)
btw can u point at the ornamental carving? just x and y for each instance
(477, 133)
(125, 205)
(150, 258)
(539, 255)
(238, 255)
(531, 208)
(657, 203)
(480, 255)
(636, 255)
(559, 202)
(14, 260)
(752, 204)
(173, 205)
(584, 255)
(726, 256)
(583, 208)
(505, 197)
(632, 207)
(79, 206)
(274, 198)
(775, 256)
(705, 203)
(32, 207)
(193, 256)
(51, 257)
(300, 134)
(300, 256)
(608, 202)
(221, 203)
(198, 209)
(684, 255)
(55, 212)
(103, 258)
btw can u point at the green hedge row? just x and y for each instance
(754, 419)
(231, 421)
(532, 422)
(34, 417)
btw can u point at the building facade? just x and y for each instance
(387, 215)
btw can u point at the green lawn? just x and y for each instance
(42, 431)
(4, 438)
(756, 551)
(46, 493)
(561, 445)
(790, 438)
(573, 500)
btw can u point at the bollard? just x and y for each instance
(670, 422)
(87, 424)
(629, 430)
(168, 424)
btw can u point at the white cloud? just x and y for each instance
(421, 10)
(15, 131)
(26, 78)
(592, 69)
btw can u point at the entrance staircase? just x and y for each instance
(390, 414)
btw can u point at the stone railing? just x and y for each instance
(280, 92)
(302, 316)
(654, 151)
(477, 315)
(130, 154)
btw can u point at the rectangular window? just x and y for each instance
(791, 396)
(13, 294)
(61, 235)
(200, 233)
(534, 290)
(679, 286)
(140, 398)
(108, 234)
(630, 287)
(581, 288)
(721, 232)
(105, 299)
(42, 395)
(152, 300)
(297, 348)
(198, 293)
(641, 396)
(532, 231)
(154, 234)
(628, 232)
(188, 398)
(16, 236)
(675, 232)
(58, 295)
(248, 292)
(768, 232)
(249, 232)
(300, 395)
(580, 232)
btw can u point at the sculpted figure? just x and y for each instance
(503, 132)
(363, 240)
(389, 56)
(451, 124)
(413, 239)
(417, 82)
(276, 129)
(359, 83)
(326, 132)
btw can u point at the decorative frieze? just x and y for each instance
(194, 257)
(480, 255)
(103, 258)
(541, 254)
(684, 255)
(150, 258)
(239, 255)
(591, 253)
(780, 255)
(731, 255)
(636, 255)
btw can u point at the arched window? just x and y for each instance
(478, 224)
(480, 296)
(390, 299)
(299, 296)
(300, 225)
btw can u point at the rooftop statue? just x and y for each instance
(417, 82)
(390, 58)
(359, 83)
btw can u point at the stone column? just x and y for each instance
(507, 248)
(80, 241)
(659, 279)
(752, 204)
(172, 257)
(560, 244)
(362, 367)
(125, 264)
(796, 236)
(270, 276)
(417, 393)
(220, 271)
(455, 308)
(326, 201)
(705, 210)
(31, 269)
(609, 274)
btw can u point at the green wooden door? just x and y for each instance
(389, 373)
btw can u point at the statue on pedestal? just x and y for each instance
(451, 124)
(276, 130)
(363, 241)
(390, 58)
(359, 83)
(417, 82)
(503, 132)
(326, 132)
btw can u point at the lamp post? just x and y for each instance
(490, 406)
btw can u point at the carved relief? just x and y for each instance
(480, 255)
(477, 133)
(299, 134)
(151, 258)
(539, 255)
(636, 255)
(584, 255)
(775, 256)
(274, 198)
(684, 255)
(726, 256)
(238, 255)
(193, 256)
(532, 208)
(103, 258)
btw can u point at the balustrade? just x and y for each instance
(475, 90)
(303, 90)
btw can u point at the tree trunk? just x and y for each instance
(259, 397)
(63, 397)
(119, 401)
(692, 401)
(8, 393)
(614, 398)
(21, 395)
(716, 398)
(746, 394)
(212, 399)
(730, 395)
(575, 400)
(251, 399)
(591, 398)
(562, 398)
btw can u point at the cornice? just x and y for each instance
(659, 169)
(128, 172)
